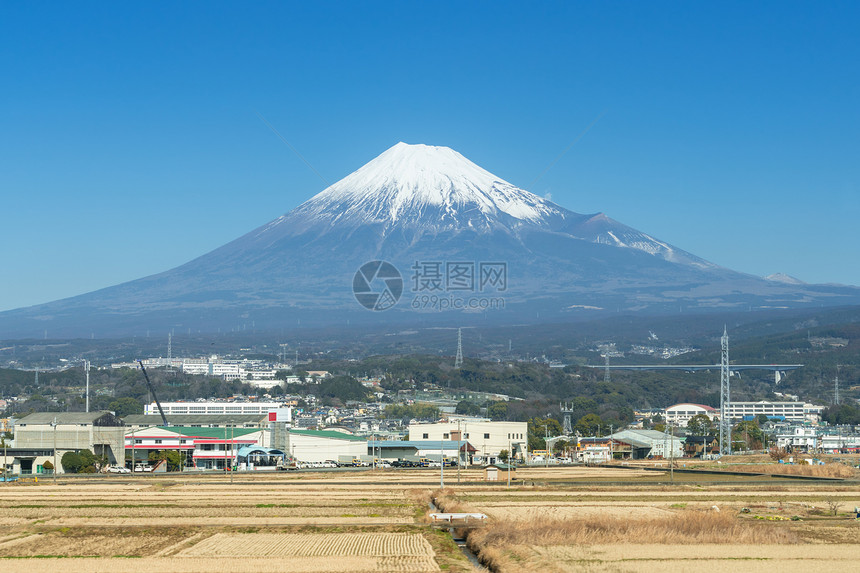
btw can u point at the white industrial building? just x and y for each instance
(679, 414)
(226, 408)
(789, 411)
(488, 438)
(322, 445)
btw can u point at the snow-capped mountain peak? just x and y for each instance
(413, 193)
(407, 180)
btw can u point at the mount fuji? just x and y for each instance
(414, 206)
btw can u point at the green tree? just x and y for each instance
(699, 425)
(417, 411)
(504, 455)
(842, 414)
(588, 425)
(561, 446)
(467, 408)
(71, 462)
(81, 462)
(174, 459)
(498, 411)
(125, 406)
(749, 434)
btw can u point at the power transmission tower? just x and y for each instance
(458, 360)
(606, 370)
(725, 396)
(567, 410)
(169, 347)
(836, 387)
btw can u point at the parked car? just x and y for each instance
(118, 470)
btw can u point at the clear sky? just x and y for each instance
(130, 144)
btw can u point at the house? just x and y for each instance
(699, 446)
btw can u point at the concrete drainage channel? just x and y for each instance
(462, 545)
(473, 559)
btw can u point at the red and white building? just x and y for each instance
(200, 448)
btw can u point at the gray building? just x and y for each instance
(100, 432)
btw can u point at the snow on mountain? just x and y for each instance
(784, 279)
(421, 186)
(415, 190)
(416, 206)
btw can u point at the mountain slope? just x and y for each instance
(417, 204)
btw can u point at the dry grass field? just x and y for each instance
(556, 519)
(687, 526)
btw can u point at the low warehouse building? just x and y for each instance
(322, 445)
(102, 433)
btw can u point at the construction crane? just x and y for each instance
(152, 391)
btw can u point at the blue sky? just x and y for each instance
(130, 144)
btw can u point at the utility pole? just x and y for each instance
(672, 452)
(442, 464)
(87, 370)
(546, 446)
(459, 460)
(509, 462)
(54, 425)
(225, 451)
(611, 427)
(232, 448)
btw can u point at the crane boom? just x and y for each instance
(154, 397)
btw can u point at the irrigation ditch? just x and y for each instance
(460, 537)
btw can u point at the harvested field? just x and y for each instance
(682, 558)
(311, 545)
(551, 511)
(84, 543)
(210, 564)
(571, 519)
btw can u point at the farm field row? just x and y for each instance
(365, 521)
